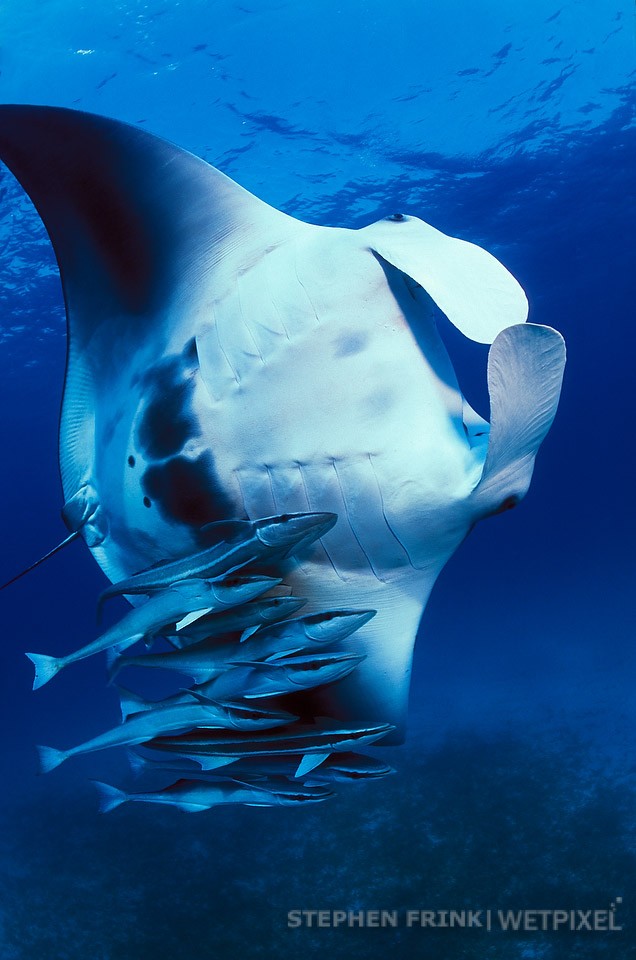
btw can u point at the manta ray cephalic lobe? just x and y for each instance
(227, 361)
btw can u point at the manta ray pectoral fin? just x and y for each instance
(525, 372)
(126, 211)
(476, 292)
(134, 221)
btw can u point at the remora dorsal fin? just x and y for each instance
(131, 703)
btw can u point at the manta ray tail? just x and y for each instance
(32, 566)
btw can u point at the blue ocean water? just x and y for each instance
(509, 125)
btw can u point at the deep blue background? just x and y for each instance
(513, 128)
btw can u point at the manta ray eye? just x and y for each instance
(131, 461)
(396, 217)
(146, 501)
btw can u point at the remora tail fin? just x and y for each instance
(109, 797)
(50, 758)
(45, 668)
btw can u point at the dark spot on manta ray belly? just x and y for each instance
(187, 491)
(167, 421)
(350, 343)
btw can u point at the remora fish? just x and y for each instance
(257, 679)
(253, 364)
(204, 663)
(315, 741)
(275, 678)
(255, 614)
(172, 718)
(337, 768)
(161, 610)
(194, 796)
(250, 541)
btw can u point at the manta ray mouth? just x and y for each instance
(454, 360)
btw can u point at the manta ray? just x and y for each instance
(229, 362)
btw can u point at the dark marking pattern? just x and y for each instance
(350, 344)
(187, 491)
(379, 403)
(167, 420)
(183, 489)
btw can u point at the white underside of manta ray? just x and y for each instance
(227, 361)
